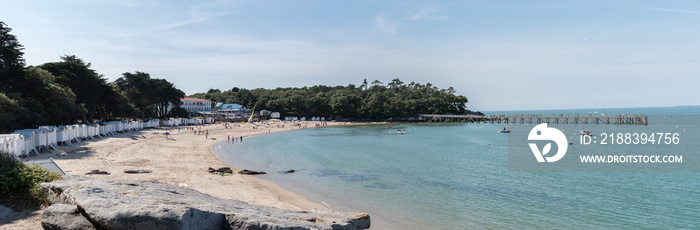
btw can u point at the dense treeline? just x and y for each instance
(69, 91)
(393, 100)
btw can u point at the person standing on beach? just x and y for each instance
(241, 139)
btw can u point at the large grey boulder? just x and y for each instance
(64, 217)
(148, 205)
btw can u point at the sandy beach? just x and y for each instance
(181, 159)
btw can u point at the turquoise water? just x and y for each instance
(455, 176)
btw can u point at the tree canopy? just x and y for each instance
(394, 100)
(151, 96)
(67, 91)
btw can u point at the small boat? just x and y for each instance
(504, 130)
(586, 132)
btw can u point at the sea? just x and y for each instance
(457, 176)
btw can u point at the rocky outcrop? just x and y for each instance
(251, 172)
(64, 217)
(129, 204)
(221, 171)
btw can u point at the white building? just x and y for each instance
(195, 104)
(236, 109)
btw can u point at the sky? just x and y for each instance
(501, 55)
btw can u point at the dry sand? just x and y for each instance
(183, 161)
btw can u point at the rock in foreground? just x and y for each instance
(129, 204)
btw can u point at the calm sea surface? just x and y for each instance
(455, 176)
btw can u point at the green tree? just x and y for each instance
(115, 104)
(86, 83)
(58, 101)
(12, 115)
(146, 92)
(136, 88)
(11, 61)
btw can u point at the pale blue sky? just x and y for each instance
(502, 55)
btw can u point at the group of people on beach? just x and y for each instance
(234, 139)
(229, 126)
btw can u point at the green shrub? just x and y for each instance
(20, 183)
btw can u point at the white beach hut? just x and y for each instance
(38, 135)
(209, 120)
(103, 130)
(134, 125)
(112, 128)
(75, 132)
(12, 144)
(150, 124)
(125, 126)
(116, 127)
(83, 132)
(29, 141)
(39, 138)
(91, 130)
(63, 135)
(51, 138)
(94, 130)
(108, 128)
(173, 122)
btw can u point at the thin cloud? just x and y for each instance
(194, 18)
(385, 25)
(428, 13)
(677, 10)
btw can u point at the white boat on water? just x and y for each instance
(586, 132)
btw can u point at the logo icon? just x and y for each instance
(542, 133)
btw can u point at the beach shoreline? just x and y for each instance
(181, 158)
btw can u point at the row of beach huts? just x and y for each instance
(187, 121)
(27, 142)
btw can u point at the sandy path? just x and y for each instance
(182, 161)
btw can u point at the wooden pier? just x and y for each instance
(635, 119)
